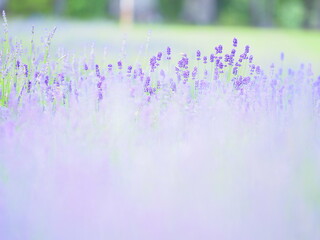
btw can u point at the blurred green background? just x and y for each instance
(268, 26)
(262, 13)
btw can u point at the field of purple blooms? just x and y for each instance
(206, 143)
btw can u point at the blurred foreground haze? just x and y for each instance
(128, 164)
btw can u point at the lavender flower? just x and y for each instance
(168, 53)
(219, 49)
(226, 58)
(205, 58)
(119, 65)
(250, 59)
(173, 86)
(252, 70)
(5, 22)
(212, 57)
(258, 70)
(247, 49)
(129, 69)
(153, 62)
(46, 81)
(36, 74)
(100, 96)
(183, 63)
(97, 70)
(235, 42)
(99, 84)
(85, 67)
(26, 71)
(147, 82)
(185, 75)
(198, 54)
(235, 71)
(194, 73)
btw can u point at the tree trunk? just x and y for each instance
(309, 5)
(3, 4)
(133, 10)
(114, 8)
(200, 11)
(59, 7)
(146, 10)
(261, 12)
(270, 10)
(126, 12)
(317, 7)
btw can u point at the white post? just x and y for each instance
(126, 12)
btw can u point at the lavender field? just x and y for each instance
(195, 133)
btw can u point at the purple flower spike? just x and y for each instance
(46, 81)
(153, 62)
(173, 86)
(212, 58)
(85, 67)
(186, 74)
(183, 63)
(235, 42)
(147, 83)
(205, 58)
(97, 70)
(29, 86)
(235, 71)
(219, 49)
(237, 83)
(159, 56)
(246, 80)
(110, 67)
(100, 96)
(253, 68)
(61, 77)
(247, 49)
(226, 58)
(250, 59)
(26, 71)
(36, 74)
(119, 65)
(258, 70)
(194, 72)
(198, 54)
(168, 53)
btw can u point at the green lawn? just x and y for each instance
(267, 44)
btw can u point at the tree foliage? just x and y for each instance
(30, 6)
(283, 13)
